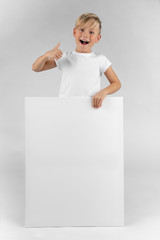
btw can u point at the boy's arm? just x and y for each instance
(46, 61)
(43, 63)
(115, 83)
(114, 86)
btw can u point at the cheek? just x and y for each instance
(94, 39)
(78, 36)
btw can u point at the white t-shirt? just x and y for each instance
(81, 73)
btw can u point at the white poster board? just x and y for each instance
(74, 166)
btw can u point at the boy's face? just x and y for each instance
(85, 38)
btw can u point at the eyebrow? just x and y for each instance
(93, 29)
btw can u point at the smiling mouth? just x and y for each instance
(84, 42)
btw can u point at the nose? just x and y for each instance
(85, 34)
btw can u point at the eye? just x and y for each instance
(81, 29)
(92, 32)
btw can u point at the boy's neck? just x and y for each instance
(81, 51)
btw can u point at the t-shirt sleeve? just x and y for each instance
(105, 63)
(60, 61)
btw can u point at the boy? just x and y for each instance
(82, 68)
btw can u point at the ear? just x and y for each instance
(74, 32)
(98, 38)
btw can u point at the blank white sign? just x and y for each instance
(74, 166)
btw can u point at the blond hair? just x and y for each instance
(85, 18)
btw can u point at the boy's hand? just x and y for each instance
(55, 53)
(98, 98)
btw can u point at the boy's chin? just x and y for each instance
(84, 46)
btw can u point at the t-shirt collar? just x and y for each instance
(84, 54)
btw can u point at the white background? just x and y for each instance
(130, 39)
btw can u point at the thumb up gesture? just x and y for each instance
(55, 53)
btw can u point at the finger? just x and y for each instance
(59, 52)
(59, 55)
(99, 102)
(92, 101)
(56, 57)
(57, 46)
(96, 102)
